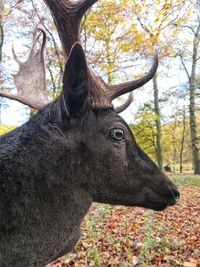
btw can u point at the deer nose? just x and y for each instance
(175, 193)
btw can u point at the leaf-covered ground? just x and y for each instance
(121, 236)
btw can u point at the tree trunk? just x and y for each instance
(182, 141)
(193, 125)
(174, 153)
(158, 124)
(174, 126)
(1, 29)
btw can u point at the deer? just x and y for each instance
(74, 151)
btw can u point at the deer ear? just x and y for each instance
(75, 83)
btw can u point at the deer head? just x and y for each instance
(75, 150)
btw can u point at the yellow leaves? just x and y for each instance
(125, 47)
(5, 128)
(178, 21)
(99, 35)
(154, 39)
(126, 2)
(5, 10)
(133, 26)
(139, 38)
(165, 9)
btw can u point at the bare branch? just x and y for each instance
(184, 66)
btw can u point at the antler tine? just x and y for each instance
(31, 53)
(15, 56)
(125, 105)
(123, 88)
(22, 99)
(30, 80)
(40, 51)
(43, 43)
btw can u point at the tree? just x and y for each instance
(102, 26)
(1, 28)
(144, 130)
(156, 20)
(182, 138)
(194, 55)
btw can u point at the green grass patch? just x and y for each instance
(186, 180)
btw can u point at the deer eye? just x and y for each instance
(117, 134)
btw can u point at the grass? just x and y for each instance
(186, 179)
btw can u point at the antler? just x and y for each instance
(67, 16)
(125, 105)
(31, 77)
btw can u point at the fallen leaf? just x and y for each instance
(135, 260)
(189, 264)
